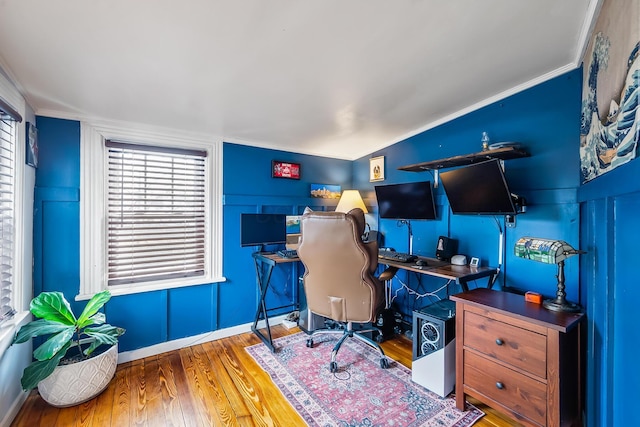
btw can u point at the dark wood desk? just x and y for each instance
(461, 274)
(264, 277)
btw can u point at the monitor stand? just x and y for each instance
(408, 223)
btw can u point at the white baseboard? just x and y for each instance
(141, 353)
(14, 409)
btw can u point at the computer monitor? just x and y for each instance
(262, 229)
(411, 200)
(478, 189)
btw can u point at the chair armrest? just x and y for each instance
(388, 274)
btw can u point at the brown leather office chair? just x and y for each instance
(339, 278)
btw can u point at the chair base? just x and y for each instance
(348, 332)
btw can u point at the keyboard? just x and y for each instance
(287, 253)
(396, 256)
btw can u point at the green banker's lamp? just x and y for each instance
(550, 251)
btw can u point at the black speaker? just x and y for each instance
(446, 248)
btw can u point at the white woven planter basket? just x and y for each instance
(76, 383)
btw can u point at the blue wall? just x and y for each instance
(545, 120)
(155, 317)
(609, 233)
(598, 217)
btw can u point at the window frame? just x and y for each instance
(93, 216)
(22, 271)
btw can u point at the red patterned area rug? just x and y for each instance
(360, 393)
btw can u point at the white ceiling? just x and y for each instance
(336, 78)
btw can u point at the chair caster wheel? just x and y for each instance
(310, 343)
(333, 367)
(379, 338)
(384, 363)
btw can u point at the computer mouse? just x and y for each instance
(421, 262)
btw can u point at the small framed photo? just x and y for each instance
(376, 169)
(475, 262)
(285, 170)
(31, 155)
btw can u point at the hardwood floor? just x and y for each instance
(212, 384)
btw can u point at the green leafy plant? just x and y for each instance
(55, 318)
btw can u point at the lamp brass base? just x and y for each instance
(555, 305)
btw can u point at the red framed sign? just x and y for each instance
(285, 170)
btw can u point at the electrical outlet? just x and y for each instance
(510, 221)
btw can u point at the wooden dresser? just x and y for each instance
(518, 357)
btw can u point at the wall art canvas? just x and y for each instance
(376, 169)
(285, 170)
(31, 154)
(610, 118)
(325, 191)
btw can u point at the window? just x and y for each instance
(7, 214)
(150, 211)
(155, 213)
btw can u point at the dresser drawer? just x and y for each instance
(510, 344)
(519, 393)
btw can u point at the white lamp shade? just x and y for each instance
(350, 199)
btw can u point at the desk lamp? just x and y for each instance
(550, 251)
(350, 199)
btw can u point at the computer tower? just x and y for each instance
(434, 347)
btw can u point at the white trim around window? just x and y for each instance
(93, 193)
(22, 265)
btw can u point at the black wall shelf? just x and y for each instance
(504, 153)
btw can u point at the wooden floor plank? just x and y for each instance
(244, 386)
(153, 392)
(121, 398)
(138, 394)
(170, 396)
(216, 394)
(214, 383)
(199, 390)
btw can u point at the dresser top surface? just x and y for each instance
(514, 305)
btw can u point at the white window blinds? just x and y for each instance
(156, 216)
(7, 212)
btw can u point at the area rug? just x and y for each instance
(360, 393)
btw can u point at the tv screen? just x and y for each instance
(262, 229)
(412, 200)
(479, 189)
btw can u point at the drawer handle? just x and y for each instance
(499, 385)
(499, 341)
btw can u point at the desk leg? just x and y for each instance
(492, 280)
(263, 283)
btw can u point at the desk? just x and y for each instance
(270, 260)
(462, 274)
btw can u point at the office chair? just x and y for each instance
(339, 278)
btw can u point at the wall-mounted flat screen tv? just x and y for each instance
(411, 200)
(478, 189)
(262, 229)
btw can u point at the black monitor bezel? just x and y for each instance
(403, 197)
(465, 186)
(264, 218)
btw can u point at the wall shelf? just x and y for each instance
(504, 153)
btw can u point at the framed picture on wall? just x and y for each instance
(376, 169)
(285, 170)
(31, 157)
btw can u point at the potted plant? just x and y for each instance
(67, 370)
